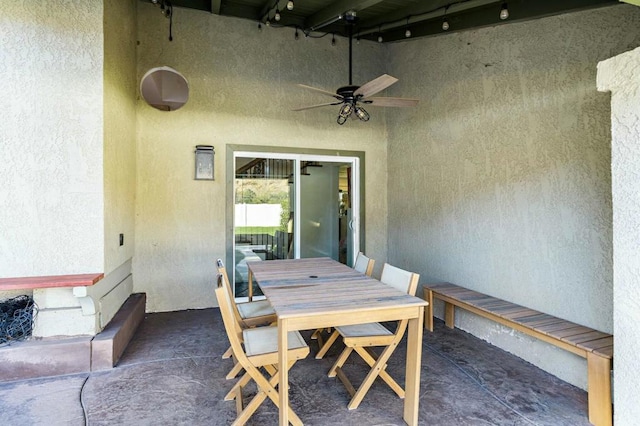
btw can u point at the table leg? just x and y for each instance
(283, 386)
(250, 285)
(412, 375)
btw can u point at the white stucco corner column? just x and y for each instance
(620, 75)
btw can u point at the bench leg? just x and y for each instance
(449, 312)
(428, 296)
(599, 382)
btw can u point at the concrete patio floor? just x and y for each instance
(172, 373)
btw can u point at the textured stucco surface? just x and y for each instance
(119, 157)
(621, 76)
(242, 87)
(78, 138)
(500, 180)
(120, 90)
(51, 61)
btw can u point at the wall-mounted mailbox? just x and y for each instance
(204, 162)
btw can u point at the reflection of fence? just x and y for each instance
(258, 214)
(255, 239)
(277, 247)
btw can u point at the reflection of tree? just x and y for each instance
(247, 197)
(265, 191)
(284, 214)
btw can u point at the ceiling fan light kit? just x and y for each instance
(362, 113)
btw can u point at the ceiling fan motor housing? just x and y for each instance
(347, 93)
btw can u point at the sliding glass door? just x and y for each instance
(290, 206)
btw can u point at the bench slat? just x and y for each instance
(567, 333)
(498, 309)
(478, 299)
(451, 289)
(514, 314)
(444, 286)
(603, 347)
(587, 337)
(537, 320)
(469, 295)
(560, 325)
(495, 304)
(606, 351)
(535, 317)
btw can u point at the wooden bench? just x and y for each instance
(595, 346)
(53, 281)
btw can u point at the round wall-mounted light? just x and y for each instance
(164, 88)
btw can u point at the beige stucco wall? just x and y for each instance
(621, 76)
(51, 61)
(242, 84)
(68, 151)
(500, 180)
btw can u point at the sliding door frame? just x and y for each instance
(234, 151)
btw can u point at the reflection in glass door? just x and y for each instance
(263, 214)
(289, 206)
(325, 210)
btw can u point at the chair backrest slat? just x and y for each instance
(364, 264)
(223, 281)
(400, 279)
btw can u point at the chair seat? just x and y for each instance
(363, 330)
(255, 309)
(264, 340)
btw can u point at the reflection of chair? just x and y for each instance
(260, 350)
(249, 314)
(281, 245)
(361, 337)
(364, 265)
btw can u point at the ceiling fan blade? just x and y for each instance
(326, 92)
(391, 102)
(375, 86)
(316, 106)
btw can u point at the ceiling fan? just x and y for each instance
(352, 97)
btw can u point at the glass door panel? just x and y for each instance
(320, 222)
(263, 214)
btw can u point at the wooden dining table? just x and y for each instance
(308, 294)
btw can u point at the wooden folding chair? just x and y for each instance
(249, 314)
(260, 350)
(362, 264)
(360, 338)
